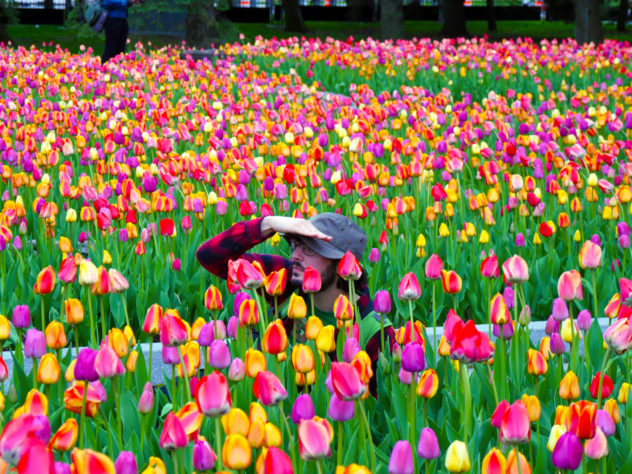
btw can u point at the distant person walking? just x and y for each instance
(116, 28)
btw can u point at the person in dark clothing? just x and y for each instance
(115, 27)
(319, 242)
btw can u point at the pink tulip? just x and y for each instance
(173, 435)
(470, 345)
(212, 395)
(409, 288)
(349, 268)
(618, 336)
(346, 381)
(268, 389)
(277, 462)
(314, 438)
(107, 363)
(515, 426)
(311, 280)
(489, 267)
(515, 269)
(625, 290)
(590, 255)
(21, 433)
(569, 286)
(434, 267)
(173, 331)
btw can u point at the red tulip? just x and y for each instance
(22, 433)
(173, 435)
(409, 288)
(499, 412)
(311, 280)
(275, 340)
(167, 227)
(248, 313)
(45, 282)
(434, 267)
(582, 419)
(212, 395)
(470, 345)
(515, 426)
(268, 389)
(246, 274)
(314, 438)
(213, 299)
(607, 386)
(275, 282)
(489, 267)
(102, 285)
(73, 399)
(346, 381)
(451, 282)
(499, 312)
(153, 319)
(349, 268)
(277, 462)
(66, 436)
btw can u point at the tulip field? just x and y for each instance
(493, 181)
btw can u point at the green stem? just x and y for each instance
(339, 450)
(174, 457)
(93, 338)
(435, 348)
(467, 399)
(103, 322)
(501, 356)
(218, 443)
(289, 435)
(601, 371)
(412, 418)
(117, 404)
(518, 459)
(43, 313)
(412, 323)
(493, 382)
(186, 376)
(151, 341)
(319, 468)
(368, 433)
(173, 384)
(34, 373)
(124, 300)
(142, 434)
(83, 414)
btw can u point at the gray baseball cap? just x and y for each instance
(346, 235)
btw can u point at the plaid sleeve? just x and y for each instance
(234, 243)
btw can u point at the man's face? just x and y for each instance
(303, 257)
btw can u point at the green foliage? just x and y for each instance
(8, 12)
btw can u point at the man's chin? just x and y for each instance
(297, 278)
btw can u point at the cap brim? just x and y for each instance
(321, 247)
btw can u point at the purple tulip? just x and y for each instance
(374, 255)
(551, 326)
(508, 297)
(405, 377)
(560, 310)
(61, 468)
(126, 463)
(623, 228)
(233, 323)
(237, 370)
(170, 355)
(203, 456)
(218, 354)
(303, 409)
(34, 344)
(428, 447)
(605, 422)
(508, 330)
(567, 453)
(401, 461)
(351, 348)
(84, 368)
(21, 316)
(557, 344)
(207, 335)
(339, 410)
(413, 359)
(520, 242)
(624, 241)
(584, 320)
(382, 302)
(596, 239)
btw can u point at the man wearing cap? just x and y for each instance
(319, 242)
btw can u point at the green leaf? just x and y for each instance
(129, 413)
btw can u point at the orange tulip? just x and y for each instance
(73, 398)
(451, 282)
(494, 463)
(74, 311)
(255, 362)
(87, 461)
(297, 309)
(582, 419)
(428, 384)
(302, 358)
(48, 371)
(275, 282)
(537, 363)
(151, 324)
(102, 285)
(236, 452)
(213, 299)
(569, 386)
(532, 404)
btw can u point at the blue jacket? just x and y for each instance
(115, 8)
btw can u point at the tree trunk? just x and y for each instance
(491, 15)
(293, 16)
(454, 19)
(622, 18)
(392, 19)
(587, 22)
(200, 26)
